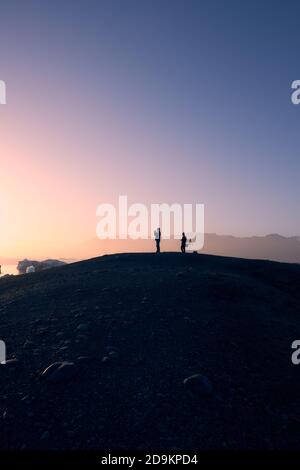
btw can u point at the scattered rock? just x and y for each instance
(79, 315)
(81, 338)
(180, 274)
(25, 398)
(199, 384)
(42, 331)
(45, 436)
(12, 364)
(83, 359)
(113, 354)
(60, 372)
(82, 327)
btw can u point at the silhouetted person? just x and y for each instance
(183, 242)
(157, 235)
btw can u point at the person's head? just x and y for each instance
(183, 234)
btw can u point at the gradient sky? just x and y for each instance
(165, 101)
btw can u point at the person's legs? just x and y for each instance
(157, 246)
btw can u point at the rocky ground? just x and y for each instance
(151, 351)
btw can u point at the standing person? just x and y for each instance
(183, 242)
(157, 235)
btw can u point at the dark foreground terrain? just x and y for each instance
(134, 327)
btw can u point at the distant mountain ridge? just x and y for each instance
(273, 247)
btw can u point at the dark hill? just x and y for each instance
(136, 326)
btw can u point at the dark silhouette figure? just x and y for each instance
(183, 242)
(157, 235)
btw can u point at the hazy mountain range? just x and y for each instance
(272, 247)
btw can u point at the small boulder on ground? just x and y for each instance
(199, 384)
(82, 327)
(60, 372)
(11, 364)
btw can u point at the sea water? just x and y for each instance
(8, 269)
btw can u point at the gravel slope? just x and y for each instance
(134, 327)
